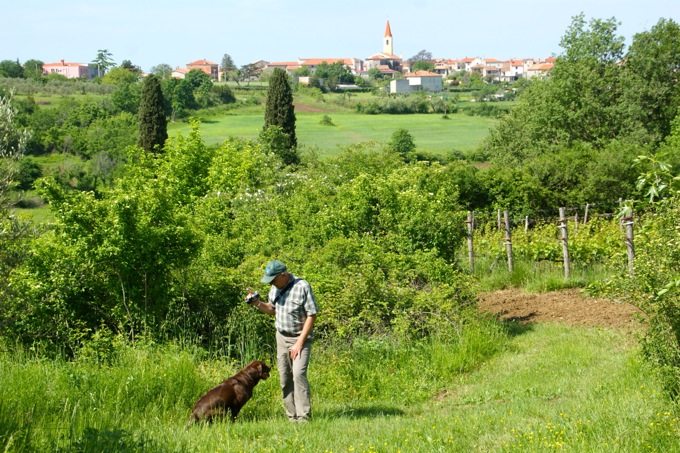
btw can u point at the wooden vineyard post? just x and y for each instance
(526, 224)
(585, 217)
(576, 225)
(508, 240)
(627, 222)
(565, 242)
(499, 219)
(470, 228)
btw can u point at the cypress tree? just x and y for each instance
(280, 111)
(153, 126)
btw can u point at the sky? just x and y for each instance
(177, 32)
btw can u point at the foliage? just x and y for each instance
(126, 97)
(120, 75)
(573, 176)
(11, 69)
(153, 126)
(651, 67)
(279, 110)
(166, 251)
(486, 109)
(330, 75)
(29, 170)
(163, 71)
(400, 104)
(422, 66)
(654, 287)
(326, 121)
(33, 69)
(423, 55)
(100, 264)
(55, 84)
(402, 143)
(654, 283)
(582, 100)
(227, 64)
(276, 141)
(103, 61)
(13, 141)
(599, 241)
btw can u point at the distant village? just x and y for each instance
(386, 62)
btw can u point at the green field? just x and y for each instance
(431, 133)
(550, 387)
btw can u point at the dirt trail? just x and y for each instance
(566, 306)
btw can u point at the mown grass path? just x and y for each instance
(557, 388)
(554, 387)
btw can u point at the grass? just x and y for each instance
(535, 276)
(431, 132)
(537, 388)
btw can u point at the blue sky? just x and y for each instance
(177, 32)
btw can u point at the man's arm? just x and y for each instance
(263, 306)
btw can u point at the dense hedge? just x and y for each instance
(168, 252)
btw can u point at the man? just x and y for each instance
(292, 303)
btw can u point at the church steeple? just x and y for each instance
(387, 43)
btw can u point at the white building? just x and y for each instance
(417, 81)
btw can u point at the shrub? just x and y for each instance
(326, 121)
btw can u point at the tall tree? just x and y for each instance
(652, 67)
(120, 75)
(162, 71)
(13, 140)
(33, 69)
(227, 67)
(13, 69)
(250, 71)
(423, 55)
(280, 111)
(579, 102)
(103, 61)
(127, 64)
(153, 126)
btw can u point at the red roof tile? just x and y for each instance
(201, 63)
(422, 74)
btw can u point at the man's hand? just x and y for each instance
(252, 297)
(295, 350)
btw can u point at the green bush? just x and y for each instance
(654, 287)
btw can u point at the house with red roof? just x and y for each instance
(68, 70)
(539, 70)
(210, 68)
(512, 70)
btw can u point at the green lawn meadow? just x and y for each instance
(431, 133)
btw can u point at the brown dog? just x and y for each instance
(231, 394)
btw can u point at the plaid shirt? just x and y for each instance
(294, 306)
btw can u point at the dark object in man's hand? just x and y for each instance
(250, 298)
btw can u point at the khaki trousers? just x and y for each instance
(293, 374)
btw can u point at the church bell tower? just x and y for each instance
(388, 47)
